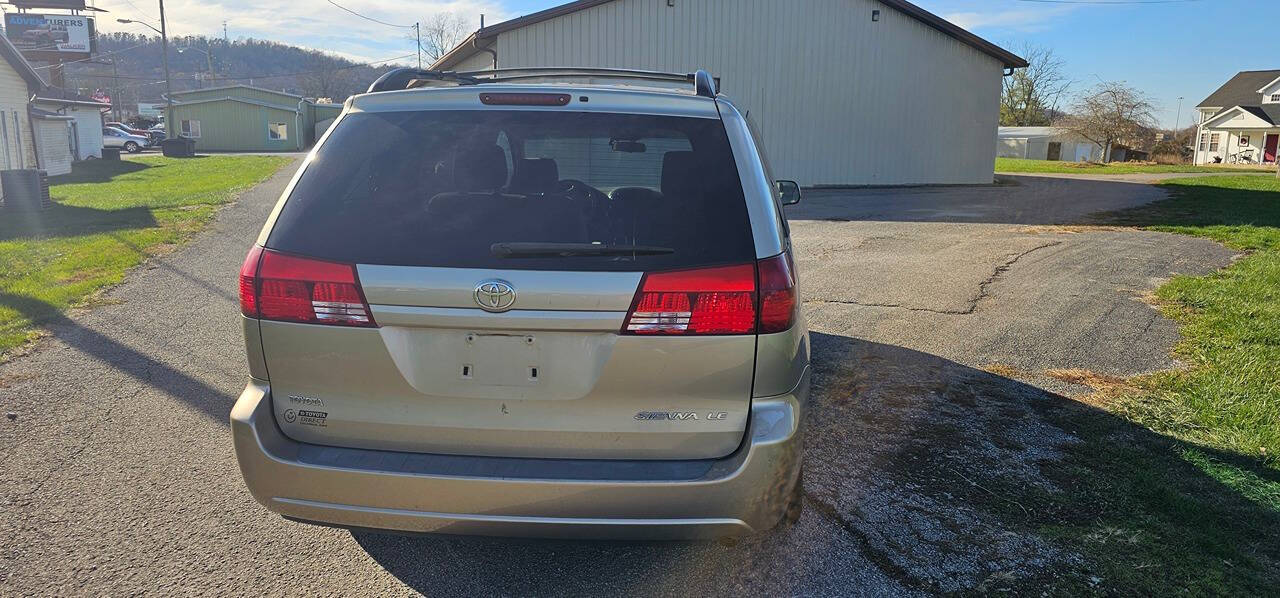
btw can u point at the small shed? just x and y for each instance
(85, 116)
(1045, 143)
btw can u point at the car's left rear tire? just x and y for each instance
(132, 147)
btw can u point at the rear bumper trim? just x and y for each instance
(744, 492)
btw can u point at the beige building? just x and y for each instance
(842, 92)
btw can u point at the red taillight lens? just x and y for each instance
(248, 283)
(740, 299)
(297, 289)
(777, 294)
(718, 300)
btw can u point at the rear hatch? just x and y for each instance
(529, 283)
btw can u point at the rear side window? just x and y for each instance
(442, 188)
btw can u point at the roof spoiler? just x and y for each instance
(406, 78)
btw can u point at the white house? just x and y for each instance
(1045, 143)
(842, 92)
(1240, 122)
(85, 119)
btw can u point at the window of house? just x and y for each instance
(1214, 139)
(190, 128)
(277, 131)
(1244, 140)
(1204, 140)
(1275, 97)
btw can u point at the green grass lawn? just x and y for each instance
(1015, 165)
(107, 218)
(1176, 487)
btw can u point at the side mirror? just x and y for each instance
(789, 191)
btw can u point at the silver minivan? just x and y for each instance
(537, 302)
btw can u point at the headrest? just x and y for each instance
(481, 168)
(535, 175)
(680, 174)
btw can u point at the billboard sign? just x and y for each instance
(50, 37)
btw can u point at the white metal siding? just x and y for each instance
(838, 99)
(17, 126)
(88, 131)
(54, 144)
(88, 126)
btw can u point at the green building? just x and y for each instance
(243, 118)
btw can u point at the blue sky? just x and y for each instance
(1167, 49)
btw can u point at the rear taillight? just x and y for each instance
(276, 286)
(777, 294)
(720, 300)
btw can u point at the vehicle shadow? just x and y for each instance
(208, 400)
(921, 474)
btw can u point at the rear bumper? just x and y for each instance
(742, 493)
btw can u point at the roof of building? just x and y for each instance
(467, 47)
(47, 115)
(1021, 132)
(1241, 90)
(1269, 113)
(237, 99)
(20, 64)
(177, 94)
(58, 95)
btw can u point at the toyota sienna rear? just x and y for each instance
(518, 303)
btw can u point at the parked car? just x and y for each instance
(500, 309)
(127, 129)
(113, 137)
(157, 134)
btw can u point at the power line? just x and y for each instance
(48, 66)
(368, 18)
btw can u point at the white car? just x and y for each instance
(112, 137)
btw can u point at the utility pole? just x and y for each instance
(417, 30)
(224, 33)
(168, 85)
(115, 92)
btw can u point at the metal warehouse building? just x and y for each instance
(843, 92)
(244, 118)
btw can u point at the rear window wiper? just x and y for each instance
(573, 249)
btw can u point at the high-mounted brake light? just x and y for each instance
(276, 286)
(740, 299)
(525, 99)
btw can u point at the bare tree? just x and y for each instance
(1031, 96)
(1109, 113)
(442, 32)
(325, 77)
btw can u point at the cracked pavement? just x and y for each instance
(119, 475)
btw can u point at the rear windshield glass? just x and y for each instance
(442, 188)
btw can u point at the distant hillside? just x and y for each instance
(262, 63)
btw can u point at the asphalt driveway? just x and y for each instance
(119, 476)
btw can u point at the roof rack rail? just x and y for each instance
(405, 78)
